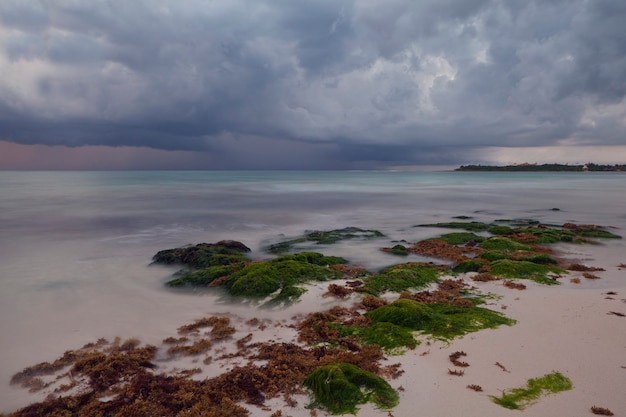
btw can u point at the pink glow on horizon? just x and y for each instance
(15, 156)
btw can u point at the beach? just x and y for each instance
(97, 282)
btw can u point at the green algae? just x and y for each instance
(508, 268)
(500, 230)
(281, 274)
(393, 339)
(340, 387)
(401, 277)
(324, 238)
(596, 233)
(520, 398)
(440, 320)
(278, 277)
(494, 255)
(460, 238)
(503, 244)
(468, 265)
(539, 258)
(206, 276)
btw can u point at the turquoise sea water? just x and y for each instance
(75, 247)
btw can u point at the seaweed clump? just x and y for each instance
(520, 398)
(340, 387)
(278, 277)
(440, 320)
(401, 277)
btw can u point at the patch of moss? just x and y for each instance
(468, 265)
(340, 387)
(526, 270)
(500, 230)
(596, 232)
(460, 238)
(206, 276)
(265, 278)
(401, 277)
(470, 226)
(388, 336)
(261, 279)
(324, 238)
(539, 258)
(503, 244)
(441, 320)
(546, 235)
(494, 255)
(520, 398)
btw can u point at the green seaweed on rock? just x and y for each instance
(401, 277)
(204, 255)
(503, 244)
(340, 387)
(460, 238)
(265, 278)
(541, 273)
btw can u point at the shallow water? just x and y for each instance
(75, 247)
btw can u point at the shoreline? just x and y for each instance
(564, 328)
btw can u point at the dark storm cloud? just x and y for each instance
(387, 82)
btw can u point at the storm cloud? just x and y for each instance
(327, 84)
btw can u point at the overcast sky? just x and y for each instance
(310, 84)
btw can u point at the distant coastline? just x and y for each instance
(526, 167)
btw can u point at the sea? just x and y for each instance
(76, 247)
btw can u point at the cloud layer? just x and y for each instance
(364, 83)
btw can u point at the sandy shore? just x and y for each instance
(567, 328)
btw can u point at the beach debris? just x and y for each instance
(616, 313)
(454, 358)
(338, 291)
(514, 285)
(589, 275)
(520, 398)
(475, 387)
(575, 280)
(499, 365)
(457, 372)
(601, 411)
(581, 268)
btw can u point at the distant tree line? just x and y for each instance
(545, 167)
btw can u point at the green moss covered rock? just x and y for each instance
(508, 268)
(460, 238)
(401, 277)
(340, 387)
(503, 244)
(468, 265)
(204, 255)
